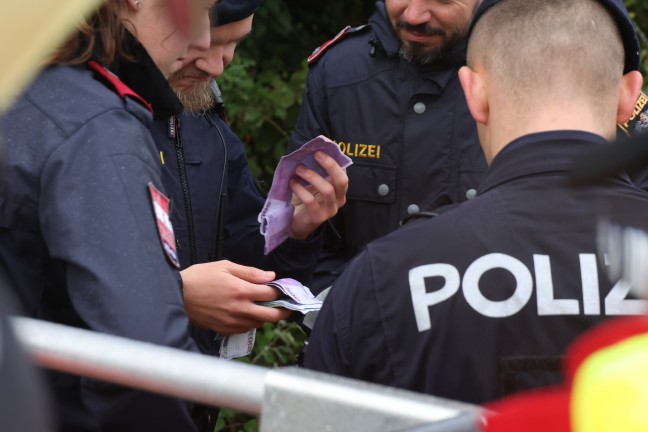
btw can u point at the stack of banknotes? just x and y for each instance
(295, 296)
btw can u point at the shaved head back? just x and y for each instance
(534, 49)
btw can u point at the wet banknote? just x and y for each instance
(277, 213)
(295, 296)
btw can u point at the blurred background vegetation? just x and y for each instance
(263, 86)
(262, 90)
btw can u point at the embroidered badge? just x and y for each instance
(165, 229)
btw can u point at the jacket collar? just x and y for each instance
(540, 153)
(144, 77)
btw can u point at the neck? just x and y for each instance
(506, 125)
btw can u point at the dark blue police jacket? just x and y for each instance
(483, 299)
(216, 200)
(79, 236)
(408, 130)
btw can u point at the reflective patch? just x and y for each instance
(638, 123)
(165, 229)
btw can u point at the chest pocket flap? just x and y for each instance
(370, 182)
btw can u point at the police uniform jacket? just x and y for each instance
(407, 128)
(216, 200)
(483, 299)
(78, 234)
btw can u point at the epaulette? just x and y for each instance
(348, 30)
(638, 123)
(117, 85)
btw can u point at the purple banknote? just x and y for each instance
(277, 213)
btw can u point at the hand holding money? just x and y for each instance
(313, 178)
(222, 296)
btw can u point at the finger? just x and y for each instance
(271, 314)
(250, 274)
(261, 293)
(301, 194)
(318, 184)
(336, 175)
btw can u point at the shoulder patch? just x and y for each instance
(116, 84)
(317, 53)
(638, 123)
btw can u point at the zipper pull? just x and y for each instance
(173, 127)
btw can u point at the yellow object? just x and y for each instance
(30, 31)
(610, 390)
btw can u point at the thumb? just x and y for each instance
(250, 274)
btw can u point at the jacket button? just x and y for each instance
(383, 190)
(413, 209)
(471, 193)
(419, 107)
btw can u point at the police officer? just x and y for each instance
(216, 200)
(85, 235)
(483, 299)
(389, 95)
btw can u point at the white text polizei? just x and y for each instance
(615, 303)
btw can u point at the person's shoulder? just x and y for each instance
(438, 231)
(71, 96)
(348, 40)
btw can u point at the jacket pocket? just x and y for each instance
(369, 182)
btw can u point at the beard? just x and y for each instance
(196, 97)
(421, 54)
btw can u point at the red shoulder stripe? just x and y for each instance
(122, 89)
(322, 48)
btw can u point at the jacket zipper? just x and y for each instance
(184, 183)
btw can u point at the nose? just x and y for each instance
(212, 62)
(417, 12)
(202, 38)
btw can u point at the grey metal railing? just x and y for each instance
(288, 399)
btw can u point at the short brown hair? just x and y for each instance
(531, 47)
(100, 37)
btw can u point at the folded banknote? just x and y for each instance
(277, 213)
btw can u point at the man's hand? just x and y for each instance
(220, 296)
(321, 200)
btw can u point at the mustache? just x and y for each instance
(423, 29)
(189, 72)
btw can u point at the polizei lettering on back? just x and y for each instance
(540, 279)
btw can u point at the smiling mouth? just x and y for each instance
(417, 36)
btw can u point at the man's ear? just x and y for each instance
(473, 86)
(628, 94)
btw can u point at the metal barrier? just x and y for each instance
(288, 399)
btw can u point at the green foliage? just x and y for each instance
(639, 13)
(275, 346)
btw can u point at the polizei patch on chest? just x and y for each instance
(367, 151)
